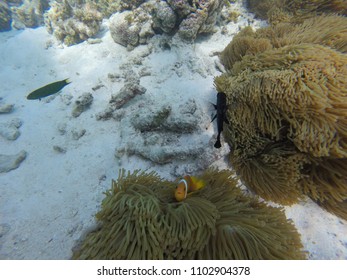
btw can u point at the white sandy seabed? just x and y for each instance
(51, 198)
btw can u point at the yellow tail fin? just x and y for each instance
(198, 183)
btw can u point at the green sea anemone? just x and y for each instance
(140, 219)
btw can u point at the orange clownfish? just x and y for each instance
(187, 185)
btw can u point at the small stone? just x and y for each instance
(82, 103)
(93, 41)
(10, 162)
(77, 134)
(95, 88)
(59, 149)
(10, 130)
(7, 108)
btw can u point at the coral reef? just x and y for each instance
(287, 95)
(195, 17)
(140, 219)
(164, 18)
(132, 22)
(201, 20)
(72, 24)
(186, 18)
(82, 103)
(109, 7)
(5, 17)
(29, 13)
(131, 28)
(10, 162)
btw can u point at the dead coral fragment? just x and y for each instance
(10, 162)
(125, 94)
(140, 219)
(82, 103)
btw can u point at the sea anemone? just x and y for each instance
(297, 8)
(287, 110)
(140, 219)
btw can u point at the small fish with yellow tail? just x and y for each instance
(187, 185)
(47, 90)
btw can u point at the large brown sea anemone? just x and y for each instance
(287, 99)
(140, 219)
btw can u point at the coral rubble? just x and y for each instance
(287, 94)
(159, 133)
(6, 108)
(10, 130)
(140, 219)
(126, 93)
(82, 103)
(10, 162)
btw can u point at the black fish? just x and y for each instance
(47, 90)
(221, 108)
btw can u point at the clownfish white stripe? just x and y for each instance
(184, 181)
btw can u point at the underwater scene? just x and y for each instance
(173, 129)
